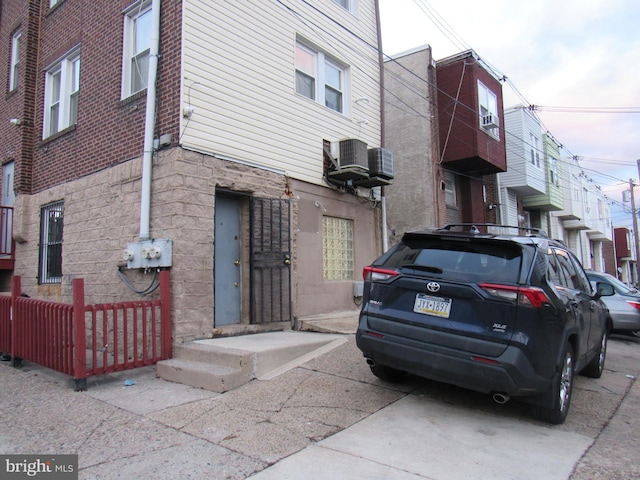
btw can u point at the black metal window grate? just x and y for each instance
(51, 227)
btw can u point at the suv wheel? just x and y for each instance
(596, 366)
(560, 392)
(387, 374)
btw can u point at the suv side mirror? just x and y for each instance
(604, 290)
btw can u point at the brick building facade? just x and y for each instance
(223, 130)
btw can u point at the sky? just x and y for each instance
(576, 60)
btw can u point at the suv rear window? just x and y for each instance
(497, 262)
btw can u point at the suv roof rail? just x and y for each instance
(473, 228)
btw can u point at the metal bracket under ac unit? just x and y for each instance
(327, 152)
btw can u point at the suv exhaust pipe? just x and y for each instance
(501, 398)
(371, 362)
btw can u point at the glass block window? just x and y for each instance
(337, 248)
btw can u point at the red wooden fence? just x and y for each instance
(85, 340)
(7, 243)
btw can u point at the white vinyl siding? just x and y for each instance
(523, 175)
(509, 207)
(239, 75)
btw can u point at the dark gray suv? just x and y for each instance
(496, 309)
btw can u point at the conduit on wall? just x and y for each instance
(149, 126)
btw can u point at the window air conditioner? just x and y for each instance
(489, 121)
(381, 163)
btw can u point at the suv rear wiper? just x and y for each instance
(424, 268)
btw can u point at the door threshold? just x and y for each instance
(248, 329)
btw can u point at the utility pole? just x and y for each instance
(635, 227)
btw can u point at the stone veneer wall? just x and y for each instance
(102, 215)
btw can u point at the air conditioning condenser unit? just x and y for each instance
(352, 160)
(350, 152)
(381, 163)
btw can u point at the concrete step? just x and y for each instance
(221, 364)
(339, 322)
(214, 354)
(201, 375)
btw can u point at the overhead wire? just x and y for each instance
(457, 40)
(443, 26)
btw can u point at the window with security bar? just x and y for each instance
(337, 248)
(51, 226)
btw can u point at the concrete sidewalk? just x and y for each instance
(328, 417)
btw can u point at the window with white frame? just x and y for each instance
(586, 199)
(600, 209)
(535, 151)
(553, 171)
(351, 5)
(62, 89)
(136, 49)
(15, 60)
(488, 110)
(337, 248)
(449, 184)
(320, 78)
(51, 227)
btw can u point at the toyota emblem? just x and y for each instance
(433, 286)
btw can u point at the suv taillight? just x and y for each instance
(371, 274)
(526, 296)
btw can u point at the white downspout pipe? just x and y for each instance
(149, 125)
(385, 232)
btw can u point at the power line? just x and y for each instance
(625, 110)
(443, 26)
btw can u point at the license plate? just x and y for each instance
(437, 306)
